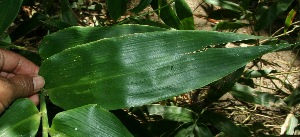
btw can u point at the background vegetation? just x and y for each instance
(143, 68)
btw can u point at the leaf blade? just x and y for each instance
(20, 123)
(8, 10)
(56, 42)
(142, 68)
(89, 120)
(184, 14)
(166, 13)
(116, 8)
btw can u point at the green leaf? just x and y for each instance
(223, 124)
(193, 130)
(116, 8)
(248, 94)
(289, 125)
(225, 5)
(8, 10)
(142, 5)
(184, 14)
(67, 13)
(22, 118)
(166, 13)
(290, 18)
(172, 113)
(141, 68)
(294, 98)
(268, 16)
(90, 120)
(56, 42)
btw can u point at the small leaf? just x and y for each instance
(90, 120)
(290, 18)
(22, 118)
(248, 94)
(142, 5)
(223, 124)
(184, 14)
(226, 5)
(56, 42)
(166, 13)
(172, 113)
(8, 10)
(289, 125)
(116, 8)
(67, 13)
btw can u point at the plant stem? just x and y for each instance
(43, 109)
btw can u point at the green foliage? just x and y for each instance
(106, 79)
(116, 8)
(67, 13)
(8, 15)
(22, 118)
(89, 120)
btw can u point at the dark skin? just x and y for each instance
(18, 78)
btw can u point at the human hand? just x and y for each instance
(18, 78)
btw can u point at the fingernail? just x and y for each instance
(38, 83)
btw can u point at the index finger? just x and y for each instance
(14, 63)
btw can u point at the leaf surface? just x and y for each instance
(166, 13)
(90, 120)
(116, 8)
(22, 118)
(67, 14)
(138, 69)
(248, 94)
(184, 14)
(67, 38)
(8, 10)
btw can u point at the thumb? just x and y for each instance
(18, 86)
